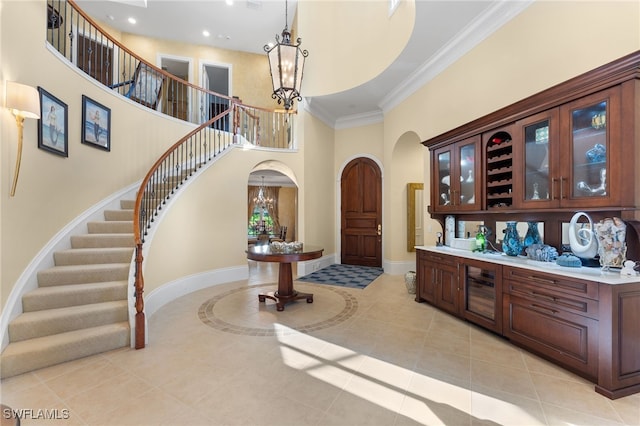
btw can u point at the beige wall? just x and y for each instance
(546, 44)
(205, 228)
(317, 196)
(405, 167)
(251, 80)
(343, 36)
(53, 190)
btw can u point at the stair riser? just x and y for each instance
(111, 227)
(102, 240)
(118, 215)
(80, 307)
(127, 204)
(61, 350)
(89, 256)
(63, 296)
(61, 321)
(53, 277)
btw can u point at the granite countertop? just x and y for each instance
(584, 273)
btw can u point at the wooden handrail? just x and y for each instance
(138, 220)
(199, 144)
(140, 59)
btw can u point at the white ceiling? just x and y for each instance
(444, 31)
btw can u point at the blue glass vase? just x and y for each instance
(532, 236)
(511, 245)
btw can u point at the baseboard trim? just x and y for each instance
(172, 290)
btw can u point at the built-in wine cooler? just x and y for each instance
(482, 299)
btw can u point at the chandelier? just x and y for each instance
(286, 62)
(262, 200)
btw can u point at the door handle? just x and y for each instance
(379, 229)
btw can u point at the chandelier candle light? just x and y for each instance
(286, 62)
(262, 200)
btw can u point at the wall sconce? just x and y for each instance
(24, 102)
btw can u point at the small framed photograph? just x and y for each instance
(53, 131)
(96, 124)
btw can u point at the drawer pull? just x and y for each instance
(544, 308)
(541, 280)
(543, 296)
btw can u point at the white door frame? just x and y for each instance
(188, 60)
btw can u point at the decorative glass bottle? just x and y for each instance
(532, 236)
(511, 244)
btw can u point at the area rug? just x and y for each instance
(344, 275)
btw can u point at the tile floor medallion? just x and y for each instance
(331, 306)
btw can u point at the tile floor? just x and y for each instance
(353, 357)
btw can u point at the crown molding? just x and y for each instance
(359, 120)
(318, 111)
(473, 34)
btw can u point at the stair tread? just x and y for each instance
(32, 354)
(104, 234)
(65, 295)
(111, 222)
(75, 288)
(62, 338)
(71, 315)
(94, 249)
(67, 311)
(91, 266)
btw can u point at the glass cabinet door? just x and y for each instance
(589, 150)
(444, 178)
(539, 185)
(593, 146)
(456, 168)
(467, 159)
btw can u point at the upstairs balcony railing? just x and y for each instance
(90, 48)
(221, 121)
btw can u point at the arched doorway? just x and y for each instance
(361, 213)
(276, 219)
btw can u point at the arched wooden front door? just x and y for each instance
(361, 212)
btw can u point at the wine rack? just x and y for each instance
(499, 171)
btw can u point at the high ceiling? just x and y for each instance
(444, 31)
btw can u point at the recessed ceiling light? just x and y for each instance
(206, 33)
(132, 20)
(229, 2)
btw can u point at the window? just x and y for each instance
(260, 222)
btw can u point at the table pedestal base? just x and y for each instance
(281, 300)
(285, 292)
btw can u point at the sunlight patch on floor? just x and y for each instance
(417, 396)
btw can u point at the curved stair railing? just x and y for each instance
(164, 178)
(222, 120)
(82, 42)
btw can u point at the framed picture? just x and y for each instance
(53, 131)
(96, 124)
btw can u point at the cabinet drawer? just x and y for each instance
(552, 283)
(569, 339)
(554, 300)
(441, 259)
